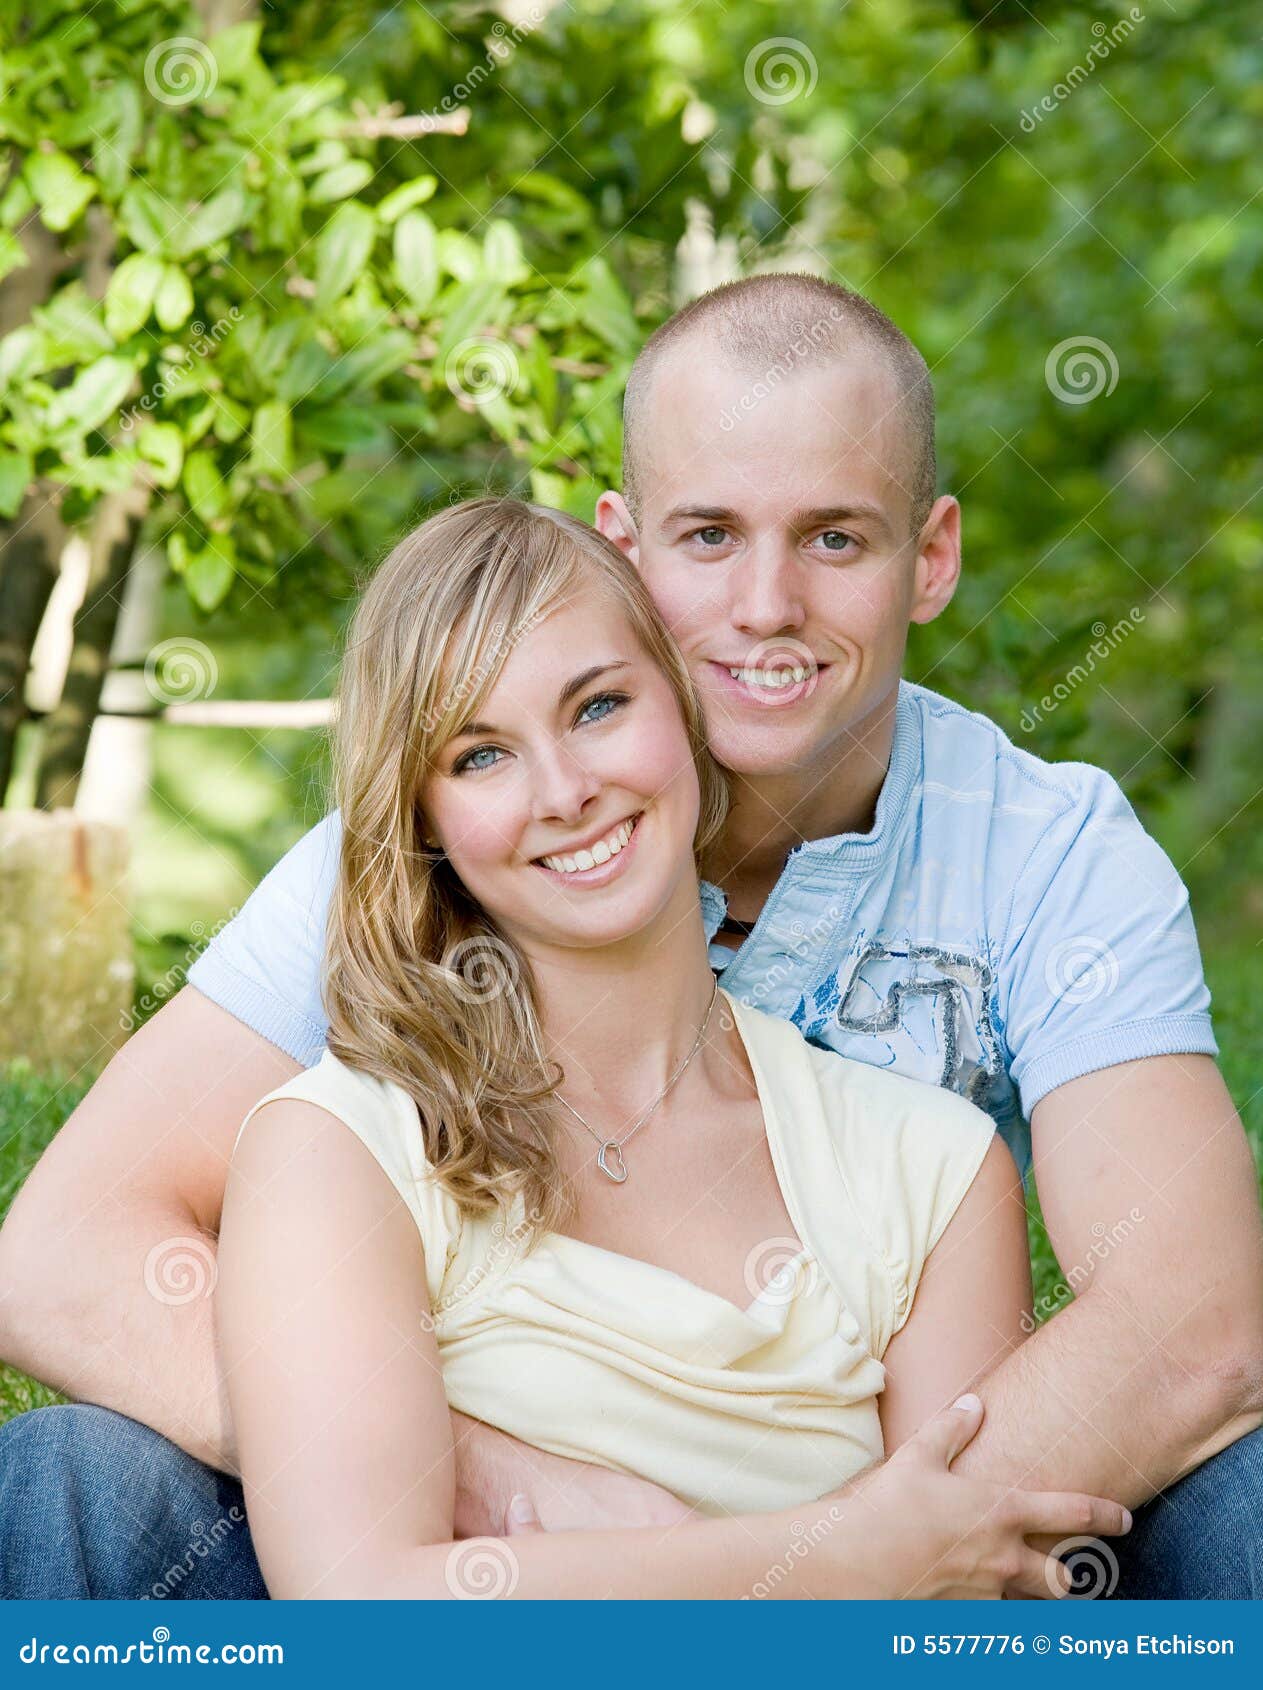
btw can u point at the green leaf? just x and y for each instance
(173, 302)
(341, 182)
(209, 574)
(12, 253)
(235, 49)
(365, 365)
(129, 297)
(16, 469)
(301, 374)
(107, 472)
(402, 199)
(270, 447)
(344, 428)
(222, 215)
(502, 256)
(21, 354)
(161, 446)
(473, 307)
(417, 258)
(605, 309)
(342, 250)
(204, 487)
(145, 217)
(95, 394)
(60, 188)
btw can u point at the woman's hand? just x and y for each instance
(929, 1532)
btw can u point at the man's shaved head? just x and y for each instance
(772, 326)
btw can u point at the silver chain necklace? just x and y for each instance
(610, 1158)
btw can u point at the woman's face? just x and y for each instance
(569, 808)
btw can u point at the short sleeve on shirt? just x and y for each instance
(384, 1118)
(1100, 962)
(907, 1152)
(265, 966)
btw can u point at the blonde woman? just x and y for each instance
(549, 1176)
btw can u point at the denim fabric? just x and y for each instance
(93, 1504)
(1006, 926)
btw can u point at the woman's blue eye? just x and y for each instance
(471, 759)
(604, 704)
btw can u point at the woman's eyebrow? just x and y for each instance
(577, 682)
(575, 685)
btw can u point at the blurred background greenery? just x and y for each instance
(415, 317)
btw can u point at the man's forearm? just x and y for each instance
(127, 1340)
(1096, 1402)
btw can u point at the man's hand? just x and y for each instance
(492, 1469)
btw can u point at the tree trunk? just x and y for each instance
(69, 727)
(32, 546)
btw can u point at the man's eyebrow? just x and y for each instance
(574, 685)
(819, 516)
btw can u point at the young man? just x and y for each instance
(895, 878)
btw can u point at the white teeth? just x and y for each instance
(595, 855)
(773, 678)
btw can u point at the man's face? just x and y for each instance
(774, 535)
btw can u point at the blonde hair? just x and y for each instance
(421, 987)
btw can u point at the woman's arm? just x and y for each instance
(967, 1312)
(346, 1448)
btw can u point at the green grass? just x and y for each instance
(33, 1107)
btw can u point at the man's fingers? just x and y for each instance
(942, 1438)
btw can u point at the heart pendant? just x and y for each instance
(611, 1163)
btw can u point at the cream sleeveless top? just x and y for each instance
(597, 1356)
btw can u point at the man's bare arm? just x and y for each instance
(1151, 1201)
(107, 1258)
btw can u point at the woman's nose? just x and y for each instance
(563, 786)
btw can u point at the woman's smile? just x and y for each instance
(598, 862)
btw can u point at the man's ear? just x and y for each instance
(938, 560)
(614, 520)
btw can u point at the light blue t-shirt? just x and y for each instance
(1006, 926)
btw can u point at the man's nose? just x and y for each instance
(562, 784)
(767, 596)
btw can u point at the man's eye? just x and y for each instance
(474, 759)
(711, 535)
(834, 540)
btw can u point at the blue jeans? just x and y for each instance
(95, 1505)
